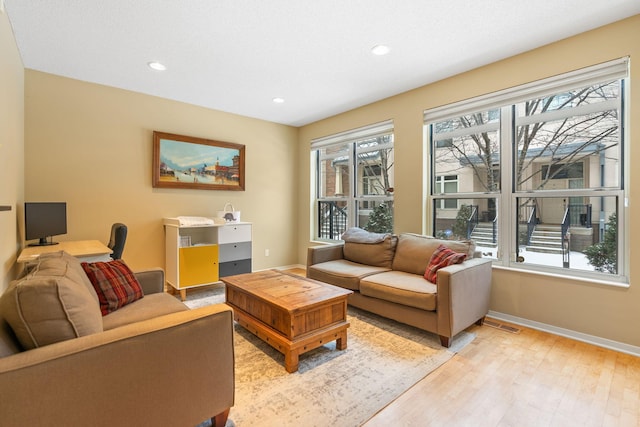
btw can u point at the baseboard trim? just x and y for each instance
(286, 267)
(567, 333)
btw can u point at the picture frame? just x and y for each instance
(181, 161)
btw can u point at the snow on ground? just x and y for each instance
(577, 260)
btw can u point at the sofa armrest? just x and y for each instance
(151, 280)
(464, 291)
(324, 253)
(176, 369)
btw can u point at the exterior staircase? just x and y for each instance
(546, 239)
(482, 234)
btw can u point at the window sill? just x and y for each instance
(586, 280)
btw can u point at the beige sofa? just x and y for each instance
(386, 273)
(152, 362)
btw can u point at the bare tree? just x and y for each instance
(562, 140)
(374, 161)
(588, 134)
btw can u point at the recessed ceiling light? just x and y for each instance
(154, 65)
(278, 100)
(380, 50)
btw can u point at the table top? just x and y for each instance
(289, 291)
(78, 248)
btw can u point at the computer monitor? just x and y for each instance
(42, 220)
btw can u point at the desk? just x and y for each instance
(85, 250)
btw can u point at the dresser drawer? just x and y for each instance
(234, 233)
(235, 251)
(232, 268)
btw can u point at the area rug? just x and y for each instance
(331, 388)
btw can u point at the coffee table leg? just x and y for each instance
(291, 359)
(341, 342)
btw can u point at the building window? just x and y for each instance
(562, 171)
(446, 184)
(354, 181)
(444, 143)
(539, 171)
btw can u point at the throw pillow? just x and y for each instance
(115, 284)
(61, 263)
(414, 251)
(363, 247)
(442, 257)
(43, 309)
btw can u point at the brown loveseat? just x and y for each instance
(152, 362)
(386, 273)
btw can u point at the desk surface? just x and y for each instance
(79, 248)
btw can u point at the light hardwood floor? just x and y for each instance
(532, 378)
(528, 379)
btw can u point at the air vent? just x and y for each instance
(502, 326)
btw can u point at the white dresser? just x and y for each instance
(198, 255)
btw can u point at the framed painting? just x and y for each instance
(189, 162)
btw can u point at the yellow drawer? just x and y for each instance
(198, 265)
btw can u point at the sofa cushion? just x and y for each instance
(115, 284)
(374, 249)
(401, 288)
(45, 309)
(343, 273)
(442, 257)
(9, 344)
(58, 263)
(149, 307)
(414, 251)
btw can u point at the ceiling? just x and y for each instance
(238, 55)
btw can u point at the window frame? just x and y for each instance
(507, 195)
(353, 198)
(440, 181)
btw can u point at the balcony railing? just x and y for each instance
(332, 220)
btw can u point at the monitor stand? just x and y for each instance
(43, 242)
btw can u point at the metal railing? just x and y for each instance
(494, 224)
(532, 221)
(566, 222)
(472, 221)
(332, 220)
(564, 227)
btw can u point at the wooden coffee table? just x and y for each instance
(291, 313)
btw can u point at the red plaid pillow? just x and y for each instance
(115, 284)
(442, 257)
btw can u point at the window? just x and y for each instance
(563, 171)
(354, 181)
(539, 173)
(444, 143)
(447, 184)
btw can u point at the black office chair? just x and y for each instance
(118, 237)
